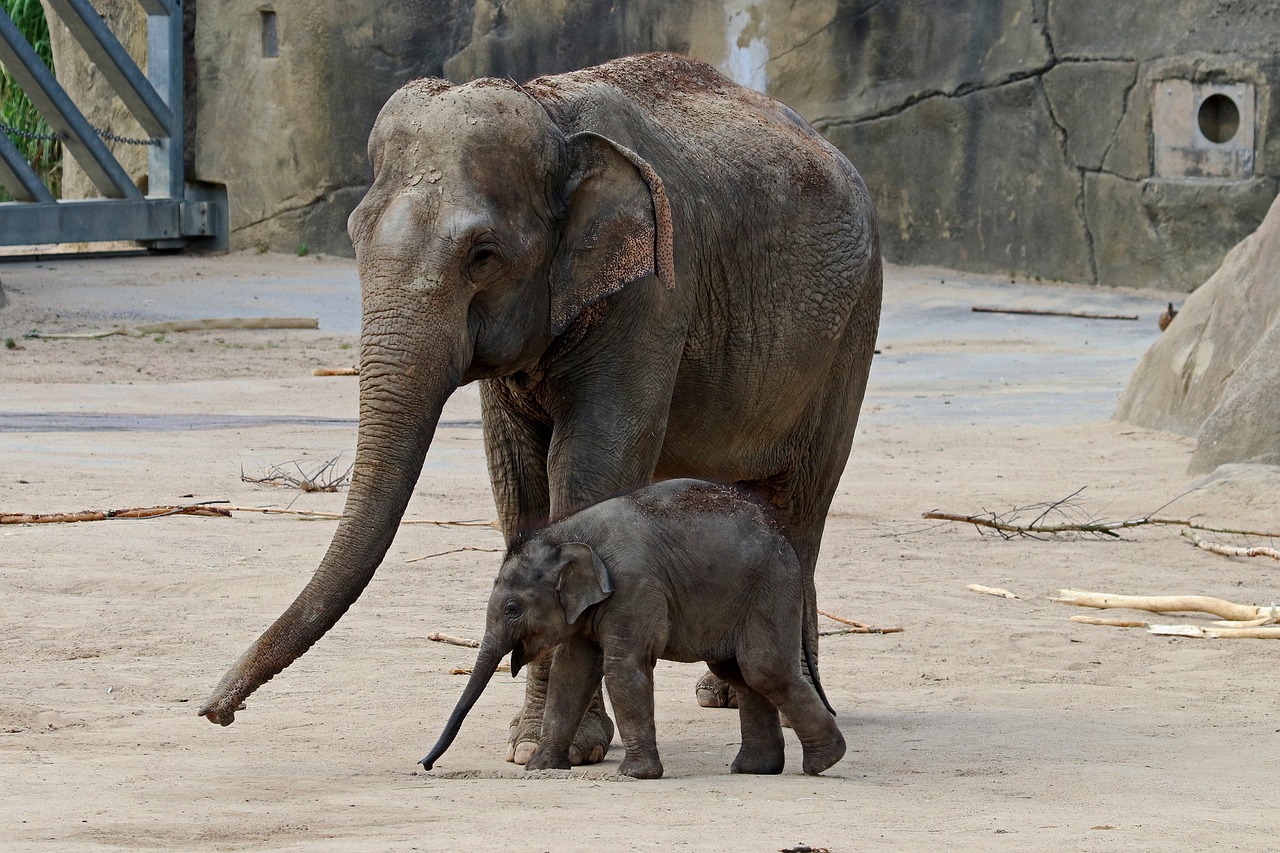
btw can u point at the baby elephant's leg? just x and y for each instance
(777, 677)
(762, 750)
(630, 683)
(575, 674)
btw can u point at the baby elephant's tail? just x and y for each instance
(811, 662)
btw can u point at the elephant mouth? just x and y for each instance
(518, 659)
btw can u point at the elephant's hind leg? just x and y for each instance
(762, 750)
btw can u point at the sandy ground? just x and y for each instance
(987, 724)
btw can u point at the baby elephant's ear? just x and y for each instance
(584, 580)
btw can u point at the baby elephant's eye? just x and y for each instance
(512, 609)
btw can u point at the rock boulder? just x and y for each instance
(1215, 372)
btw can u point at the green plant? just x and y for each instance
(159, 338)
(16, 109)
(10, 343)
(302, 250)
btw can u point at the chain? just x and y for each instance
(59, 137)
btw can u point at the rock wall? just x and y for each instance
(1056, 139)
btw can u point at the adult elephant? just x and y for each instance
(652, 271)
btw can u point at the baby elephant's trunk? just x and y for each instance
(486, 666)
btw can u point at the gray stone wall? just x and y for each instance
(1038, 138)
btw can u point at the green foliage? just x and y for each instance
(45, 155)
(302, 250)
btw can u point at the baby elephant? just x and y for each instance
(681, 570)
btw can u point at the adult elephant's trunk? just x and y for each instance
(400, 404)
(486, 666)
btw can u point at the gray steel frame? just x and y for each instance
(174, 213)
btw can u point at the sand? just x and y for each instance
(987, 723)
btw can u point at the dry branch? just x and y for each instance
(305, 513)
(1167, 604)
(1083, 315)
(454, 551)
(322, 477)
(992, 590)
(855, 627)
(1113, 623)
(453, 641)
(1257, 633)
(229, 323)
(106, 514)
(187, 326)
(336, 371)
(1227, 550)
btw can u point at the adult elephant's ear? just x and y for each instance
(618, 227)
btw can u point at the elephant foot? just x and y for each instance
(544, 759)
(759, 760)
(589, 745)
(824, 756)
(641, 767)
(713, 692)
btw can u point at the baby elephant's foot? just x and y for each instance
(822, 756)
(758, 762)
(546, 759)
(641, 766)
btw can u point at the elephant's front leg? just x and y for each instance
(630, 682)
(574, 680)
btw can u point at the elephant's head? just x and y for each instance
(540, 594)
(486, 232)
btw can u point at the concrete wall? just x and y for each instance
(1044, 138)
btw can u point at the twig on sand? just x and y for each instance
(1106, 620)
(317, 477)
(1258, 633)
(854, 627)
(454, 551)
(1227, 550)
(992, 590)
(187, 326)
(336, 371)
(109, 514)
(1168, 604)
(1009, 525)
(453, 641)
(1083, 315)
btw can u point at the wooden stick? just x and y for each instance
(336, 371)
(454, 551)
(1163, 604)
(1114, 623)
(337, 515)
(1083, 315)
(855, 626)
(453, 641)
(992, 590)
(76, 336)
(1228, 551)
(1268, 633)
(229, 323)
(106, 514)
(1105, 528)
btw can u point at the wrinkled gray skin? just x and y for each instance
(651, 271)
(682, 570)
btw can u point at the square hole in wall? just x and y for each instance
(1203, 130)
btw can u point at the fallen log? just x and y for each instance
(1165, 604)
(1082, 315)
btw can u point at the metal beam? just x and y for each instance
(117, 66)
(97, 220)
(35, 79)
(17, 175)
(165, 163)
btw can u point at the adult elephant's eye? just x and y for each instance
(484, 261)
